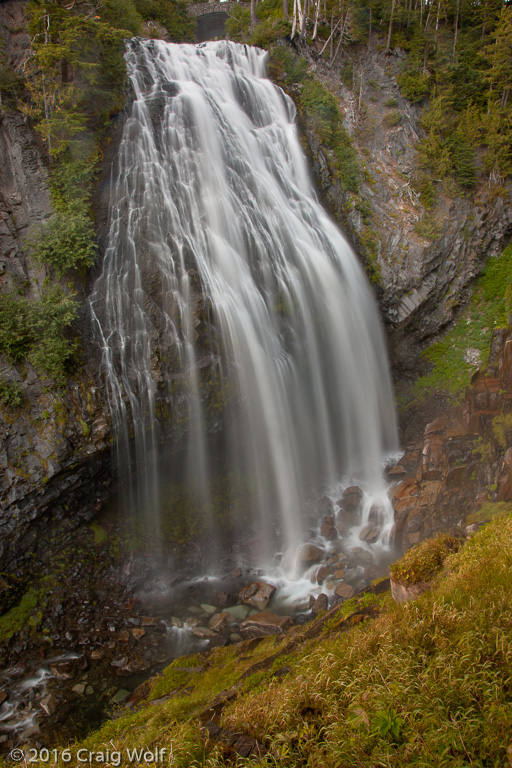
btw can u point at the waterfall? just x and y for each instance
(231, 305)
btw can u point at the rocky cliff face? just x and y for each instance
(54, 448)
(463, 462)
(423, 280)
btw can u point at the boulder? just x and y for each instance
(49, 704)
(322, 573)
(262, 624)
(328, 530)
(221, 599)
(310, 554)
(257, 594)
(370, 533)
(220, 621)
(320, 604)
(344, 591)
(203, 633)
(403, 593)
(351, 499)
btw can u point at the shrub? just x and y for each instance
(425, 560)
(393, 118)
(64, 242)
(16, 334)
(413, 85)
(11, 393)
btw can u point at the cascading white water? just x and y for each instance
(222, 265)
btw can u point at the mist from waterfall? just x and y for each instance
(230, 303)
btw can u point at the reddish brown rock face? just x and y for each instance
(263, 624)
(257, 594)
(447, 475)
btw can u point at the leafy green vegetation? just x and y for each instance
(21, 615)
(36, 329)
(490, 308)
(425, 683)
(11, 393)
(67, 240)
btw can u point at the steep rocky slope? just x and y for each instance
(54, 452)
(422, 278)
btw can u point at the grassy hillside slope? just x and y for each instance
(427, 683)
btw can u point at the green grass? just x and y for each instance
(426, 683)
(489, 308)
(424, 561)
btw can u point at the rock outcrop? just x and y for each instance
(55, 447)
(464, 459)
(421, 279)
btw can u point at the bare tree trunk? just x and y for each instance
(305, 19)
(370, 32)
(285, 9)
(388, 45)
(456, 27)
(317, 13)
(254, 20)
(329, 39)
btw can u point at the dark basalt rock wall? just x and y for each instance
(55, 467)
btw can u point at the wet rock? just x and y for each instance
(339, 573)
(120, 696)
(89, 690)
(63, 670)
(79, 688)
(322, 573)
(118, 663)
(32, 732)
(239, 612)
(148, 621)
(235, 638)
(325, 506)
(138, 632)
(257, 594)
(220, 621)
(203, 633)
(263, 624)
(328, 530)
(351, 499)
(221, 599)
(321, 603)
(361, 556)
(310, 554)
(370, 533)
(96, 655)
(49, 704)
(218, 641)
(134, 665)
(176, 622)
(236, 573)
(208, 609)
(344, 591)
